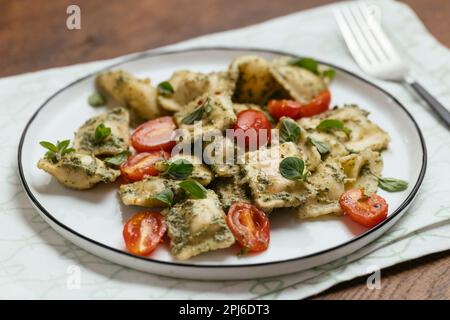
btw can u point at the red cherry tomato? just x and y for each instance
(250, 226)
(253, 127)
(319, 104)
(284, 108)
(141, 165)
(143, 232)
(296, 110)
(154, 135)
(363, 209)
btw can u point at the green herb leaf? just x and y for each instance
(165, 88)
(101, 133)
(179, 169)
(55, 152)
(329, 73)
(392, 184)
(195, 189)
(198, 113)
(166, 196)
(322, 147)
(306, 63)
(48, 145)
(118, 159)
(96, 99)
(62, 145)
(292, 168)
(289, 131)
(330, 124)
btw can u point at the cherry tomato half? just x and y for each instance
(141, 165)
(363, 209)
(296, 110)
(143, 232)
(250, 226)
(253, 127)
(284, 108)
(154, 135)
(319, 104)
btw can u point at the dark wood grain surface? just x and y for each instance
(33, 36)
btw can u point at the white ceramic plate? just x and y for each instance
(93, 219)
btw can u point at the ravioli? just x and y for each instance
(217, 116)
(189, 85)
(142, 193)
(136, 94)
(255, 83)
(362, 170)
(309, 152)
(268, 187)
(119, 140)
(196, 226)
(79, 171)
(230, 191)
(200, 172)
(364, 133)
(325, 187)
(335, 146)
(300, 84)
(221, 154)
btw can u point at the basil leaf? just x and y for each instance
(392, 184)
(329, 124)
(55, 152)
(292, 168)
(101, 133)
(118, 159)
(96, 99)
(48, 145)
(179, 169)
(62, 145)
(289, 131)
(165, 196)
(329, 73)
(165, 88)
(198, 113)
(195, 189)
(322, 147)
(306, 63)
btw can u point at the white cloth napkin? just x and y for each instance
(35, 262)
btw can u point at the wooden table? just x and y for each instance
(33, 36)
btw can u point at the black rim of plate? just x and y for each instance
(156, 53)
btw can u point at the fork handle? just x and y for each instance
(435, 105)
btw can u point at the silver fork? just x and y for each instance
(375, 54)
